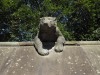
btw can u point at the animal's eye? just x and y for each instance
(40, 18)
(49, 18)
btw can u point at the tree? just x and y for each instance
(77, 19)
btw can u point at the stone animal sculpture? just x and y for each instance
(48, 32)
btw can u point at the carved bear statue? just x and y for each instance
(48, 32)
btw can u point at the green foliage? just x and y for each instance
(77, 19)
(96, 34)
(8, 5)
(26, 20)
(65, 32)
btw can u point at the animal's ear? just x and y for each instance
(55, 19)
(40, 18)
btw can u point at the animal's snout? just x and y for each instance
(45, 23)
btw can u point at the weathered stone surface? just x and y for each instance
(74, 60)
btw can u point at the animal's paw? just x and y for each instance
(59, 48)
(43, 52)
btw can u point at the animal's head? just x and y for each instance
(48, 21)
